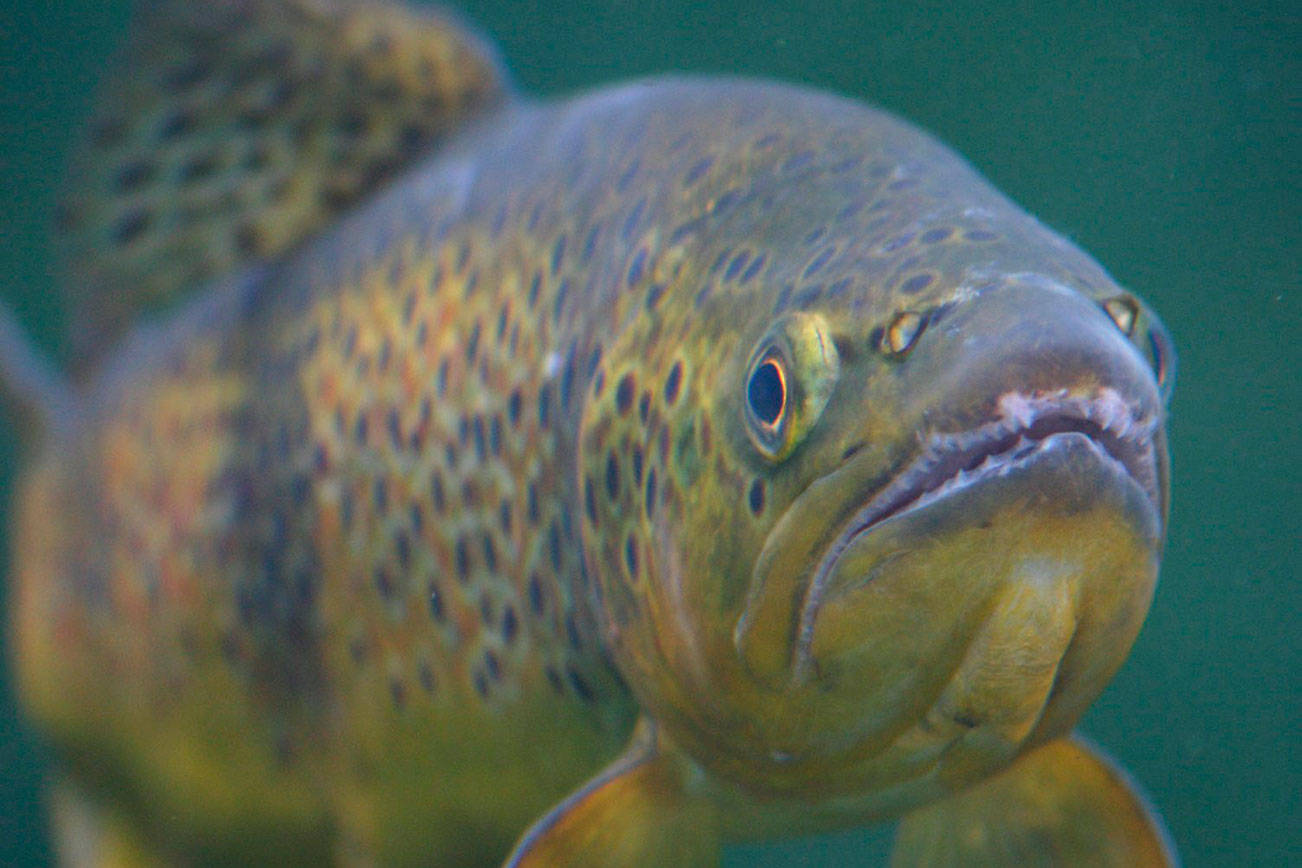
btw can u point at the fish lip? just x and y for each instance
(950, 462)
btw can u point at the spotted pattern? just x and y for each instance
(233, 130)
(463, 483)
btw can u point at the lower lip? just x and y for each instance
(1065, 472)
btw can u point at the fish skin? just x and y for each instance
(263, 586)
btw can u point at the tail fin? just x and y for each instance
(32, 389)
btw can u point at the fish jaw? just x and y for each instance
(926, 624)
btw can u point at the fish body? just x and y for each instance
(739, 409)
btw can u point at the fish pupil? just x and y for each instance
(767, 393)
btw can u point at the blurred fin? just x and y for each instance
(638, 811)
(229, 130)
(1062, 804)
(88, 835)
(32, 390)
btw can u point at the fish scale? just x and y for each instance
(383, 548)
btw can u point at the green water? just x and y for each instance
(1165, 138)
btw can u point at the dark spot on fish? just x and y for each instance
(896, 243)
(481, 684)
(630, 556)
(626, 177)
(554, 679)
(175, 125)
(816, 264)
(425, 675)
(917, 283)
(966, 720)
(589, 500)
(504, 517)
(535, 592)
(380, 495)
(481, 439)
(798, 160)
(441, 377)
(654, 294)
(394, 425)
(644, 406)
(383, 583)
(579, 684)
(697, 171)
(572, 632)
(932, 236)
(590, 243)
(637, 465)
(650, 492)
(980, 235)
(200, 168)
(134, 175)
(735, 266)
(472, 343)
(534, 286)
(402, 548)
(399, 693)
(756, 496)
(558, 254)
(631, 221)
(461, 555)
(554, 546)
(436, 492)
(513, 405)
(638, 267)
(624, 394)
(470, 494)
(531, 503)
(545, 407)
(558, 305)
(673, 382)
(612, 476)
(490, 554)
(131, 226)
(186, 76)
(346, 508)
(753, 269)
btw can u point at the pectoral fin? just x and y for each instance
(1062, 804)
(638, 811)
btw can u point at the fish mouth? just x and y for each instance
(1026, 424)
(1027, 429)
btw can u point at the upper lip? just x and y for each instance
(952, 460)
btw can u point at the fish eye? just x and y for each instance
(790, 376)
(766, 392)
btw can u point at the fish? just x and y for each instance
(445, 476)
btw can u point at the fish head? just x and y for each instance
(874, 544)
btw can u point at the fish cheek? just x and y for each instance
(667, 523)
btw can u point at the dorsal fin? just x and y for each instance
(231, 129)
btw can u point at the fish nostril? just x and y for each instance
(1124, 312)
(903, 333)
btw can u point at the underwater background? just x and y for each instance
(1165, 138)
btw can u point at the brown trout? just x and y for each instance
(445, 477)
